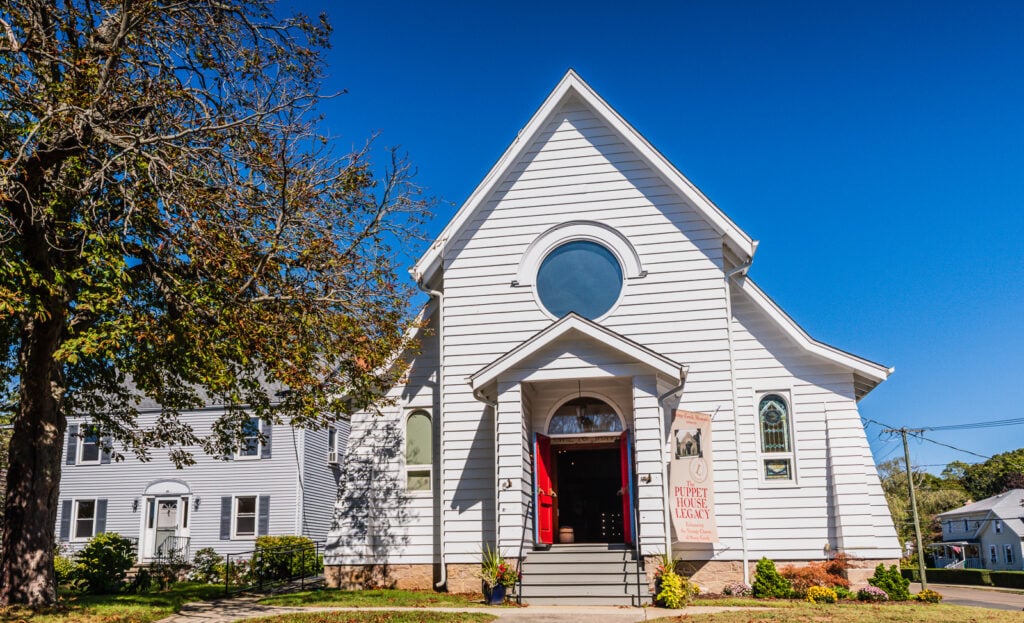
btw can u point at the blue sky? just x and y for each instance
(875, 149)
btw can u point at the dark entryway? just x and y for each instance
(589, 486)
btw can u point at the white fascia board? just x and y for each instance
(559, 328)
(869, 369)
(571, 83)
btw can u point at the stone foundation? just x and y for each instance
(860, 570)
(713, 575)
(462, 578)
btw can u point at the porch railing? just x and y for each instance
(173, 548)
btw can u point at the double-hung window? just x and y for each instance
(250, 448)
(89, 444)
(85, 520)
(244, 521)
(775, 432)
(419, 451)
(998, 526)
(993, 557)
(1008, 552)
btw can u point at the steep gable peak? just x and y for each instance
(572, 90)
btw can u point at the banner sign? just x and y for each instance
(692, 496)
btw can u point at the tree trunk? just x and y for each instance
(33, 476)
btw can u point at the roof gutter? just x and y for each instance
(729, 274)
(675, 391)
(440, 427)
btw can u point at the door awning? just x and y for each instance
(573, 328)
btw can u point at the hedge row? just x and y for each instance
(977, 577)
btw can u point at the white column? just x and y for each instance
(647, 432)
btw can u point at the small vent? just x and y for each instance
(332, 458)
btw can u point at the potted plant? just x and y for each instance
(497, 575)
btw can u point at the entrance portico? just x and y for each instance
(575, 365)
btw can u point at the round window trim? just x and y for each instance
(580, 276)
(558, 404)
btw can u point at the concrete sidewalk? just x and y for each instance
(246, 607)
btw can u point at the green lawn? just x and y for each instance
(848, 613)
(407, 616)
(373, 598)
(124, 608)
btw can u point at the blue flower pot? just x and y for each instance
(494, 595)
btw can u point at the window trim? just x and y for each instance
(238, 456)
(1008, 553)
(255, 518)
(993, 554)
(407, 468)
(79, 450)
(998, 526)
(73, 537)
(786, 394)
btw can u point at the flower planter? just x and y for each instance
(494, 595)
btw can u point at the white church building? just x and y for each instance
(599, 381)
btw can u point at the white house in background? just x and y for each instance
(584, 294)
(983, 535)
(284, 485)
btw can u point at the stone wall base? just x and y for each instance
(713, 575)
(462, 578)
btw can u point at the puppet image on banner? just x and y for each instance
(693, 493)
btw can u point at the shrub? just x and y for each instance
(929, 596)
(768, 582)
(65, 567)
(283, 557)
(1008, 579)
(207, 567)
(892, 582)
(981, 577)
(104, 562)
(814, 574)
(842, 592)
(872, 593)
(821, 595)
(674, 590)
(737, 589)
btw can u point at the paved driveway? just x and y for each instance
(1000, 599)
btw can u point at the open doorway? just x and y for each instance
(589, 486)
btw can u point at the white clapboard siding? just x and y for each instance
(376, 519)
(123, 483)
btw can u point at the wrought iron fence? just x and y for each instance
(264, 567)
(173, 548)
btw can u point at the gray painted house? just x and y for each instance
(285, 485)
(983, 535)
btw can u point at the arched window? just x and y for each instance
(584, 415)
(776, 437)
(419, 451)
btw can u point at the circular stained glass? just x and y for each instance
(579, 276)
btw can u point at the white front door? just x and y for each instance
(164, 524)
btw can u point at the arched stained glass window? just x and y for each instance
(419, 451)
(579, 276)
(774, 416)
(584, 415)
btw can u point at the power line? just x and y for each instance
(917, 433)
(990, 424)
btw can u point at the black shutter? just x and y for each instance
(108, 443)
(101, 516)
(65, 520)
(268, 431)
(264, 514)
(225, 518)
(69, 456)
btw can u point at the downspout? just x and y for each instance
(741, 269)
(675, 391)
(440, 424)
(493, 404)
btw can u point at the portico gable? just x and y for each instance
(575, 359)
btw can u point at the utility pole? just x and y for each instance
(913, 499)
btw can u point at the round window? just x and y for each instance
(579, 276)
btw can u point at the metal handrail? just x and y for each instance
(519, 559)
(173, 547)
(257, 560)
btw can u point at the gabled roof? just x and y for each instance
(1009, 504)
(867, 374)
(564, 325)
(572, 85)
